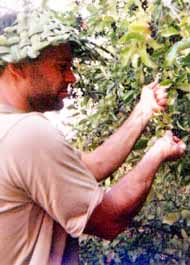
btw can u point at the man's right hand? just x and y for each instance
(170, 147)
(126, 197)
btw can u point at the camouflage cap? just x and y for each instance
(33, 31)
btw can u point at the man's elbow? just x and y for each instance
(108, 230)
(111, 236)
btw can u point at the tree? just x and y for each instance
(136, 40)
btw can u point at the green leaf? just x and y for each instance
(135, 60)
(166, 82)
(146, 58)
(141, 144)
(44, 3)
(126, 54)
(91, 8)
(174, 51)
(185, 214)
(169, 31)
(154, 44)
(185, 61)
(132, 36)
(180, 126)
(171, 218)
(108, 19)
(184, 234)
(128, 96)
(183, 86)
(139, 26)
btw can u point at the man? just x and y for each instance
(48, 191)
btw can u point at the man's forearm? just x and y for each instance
(106, 158)
(129, 193)
(125, 198)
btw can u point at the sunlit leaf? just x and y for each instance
(146, 59)
(172, 55)
(170, 31)
(132, 36)
(140, 27)
(171, 218)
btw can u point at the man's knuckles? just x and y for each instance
(182, 147)
(162, 102)
(161, 95)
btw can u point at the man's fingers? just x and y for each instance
(162, 108)
(176, 139)
(159, 88)
(182, 146)
(162, 95)
(153, 84)
(162, 102)
(161, 98)
(173, 146)
(168, 133)
(161, 92)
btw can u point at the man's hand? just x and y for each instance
(100, 162)
(153, 98)
(170, 146)
(126, 197)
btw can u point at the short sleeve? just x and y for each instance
(53, 175)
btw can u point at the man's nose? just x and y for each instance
(70, 77)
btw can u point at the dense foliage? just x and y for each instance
(140, 40)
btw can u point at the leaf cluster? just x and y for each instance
(145, 38)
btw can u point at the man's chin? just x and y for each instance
(46, 105)
(59, 106)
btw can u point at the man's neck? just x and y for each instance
(11, 93)
(5, 108)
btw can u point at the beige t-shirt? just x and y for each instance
(46, 192)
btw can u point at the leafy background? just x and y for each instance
(140, 40)
(136, 40)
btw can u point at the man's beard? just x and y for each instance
(42, 103)
(43, 99)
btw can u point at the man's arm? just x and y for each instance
(106, 158)
(126, 197)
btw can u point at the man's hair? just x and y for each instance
(6, 21)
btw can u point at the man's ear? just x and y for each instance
(16, 71)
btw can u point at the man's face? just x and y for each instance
(49, 79)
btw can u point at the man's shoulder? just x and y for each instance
(34, 123)
(36, 119)
(24, 125)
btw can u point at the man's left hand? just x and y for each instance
(153, 98)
